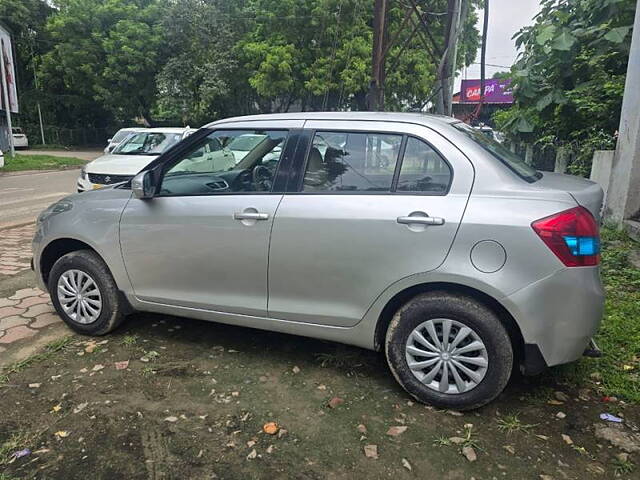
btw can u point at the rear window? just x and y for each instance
(499, 151)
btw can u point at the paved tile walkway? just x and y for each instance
(23, 314)
(15, 249)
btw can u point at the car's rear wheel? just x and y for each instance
(84, 293)
(450, 351)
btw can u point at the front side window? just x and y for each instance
(147, 143)
(351, 162)
(227, 161)
(423, 169)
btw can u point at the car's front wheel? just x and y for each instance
(84, 293)
(450, 351)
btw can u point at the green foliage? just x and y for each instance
(109, 52)
(619, 334)
(569, 79)
(102, 63)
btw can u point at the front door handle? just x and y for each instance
(419, 220)
(250, 216)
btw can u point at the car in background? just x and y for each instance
(119, 136)
(129, 157)
(19, 138)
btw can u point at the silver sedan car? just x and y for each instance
(411, 234)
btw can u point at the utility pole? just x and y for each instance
(375, 100)
(5, 96)
(446, 68)
(483, 53)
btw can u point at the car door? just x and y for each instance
(377, 202)
(202, 241)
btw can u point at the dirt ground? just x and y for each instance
(194, 398)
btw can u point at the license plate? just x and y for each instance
(96, 186)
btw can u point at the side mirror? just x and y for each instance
(109, 140)
(142, 185)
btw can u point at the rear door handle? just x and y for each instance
(420, 220)
(250, 216)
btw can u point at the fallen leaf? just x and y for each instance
(56, 408)
(469, 453)
(626, 368)
(555, 402)
(251, 443)
(563, 397)
(270, 428)
(371, 451)
(97, 368)
(455, 413)
(91, 346)
(80, 407)
(296, 369)
(122, 365)
(396, 430)
(171, 419)
(34, 385)
(334, 402)
(269, 449)
(510, 449)
(322, 387)
(561, 415)
(84, 370)
(567, 439)
(406, 464)
(282, 433)
(546, 477)
(542, 437)
(361, 428)
(62, 433)
(252, 454)
(457, 440)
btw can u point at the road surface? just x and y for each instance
(23, 197)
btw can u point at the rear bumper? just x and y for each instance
(560, 313)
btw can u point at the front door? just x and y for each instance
(202, 241)
(377, 202)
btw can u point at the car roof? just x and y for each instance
(426, 119)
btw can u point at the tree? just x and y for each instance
(569, 79)
(107, 51)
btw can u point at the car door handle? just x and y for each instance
(250, 216)
(420, 220)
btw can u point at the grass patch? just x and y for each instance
(22, 161)
(511, 423)
(49, 350)
(618, 371)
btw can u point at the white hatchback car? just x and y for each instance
(129, 157)
(120, 136)
(19, 138)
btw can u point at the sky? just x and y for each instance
(506, 17)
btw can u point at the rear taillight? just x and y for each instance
(572, 235)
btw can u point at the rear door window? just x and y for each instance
(423, 170)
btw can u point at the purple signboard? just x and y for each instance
(495, 91)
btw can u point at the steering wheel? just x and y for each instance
(262, 178)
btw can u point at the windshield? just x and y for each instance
(147, 143)
(121, 135)
(246, 143)
(499, 151)
(16, 130)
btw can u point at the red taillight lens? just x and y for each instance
(573, 236)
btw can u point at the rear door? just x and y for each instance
(372, 203)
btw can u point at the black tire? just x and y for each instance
(113, 311)
(473, 314)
